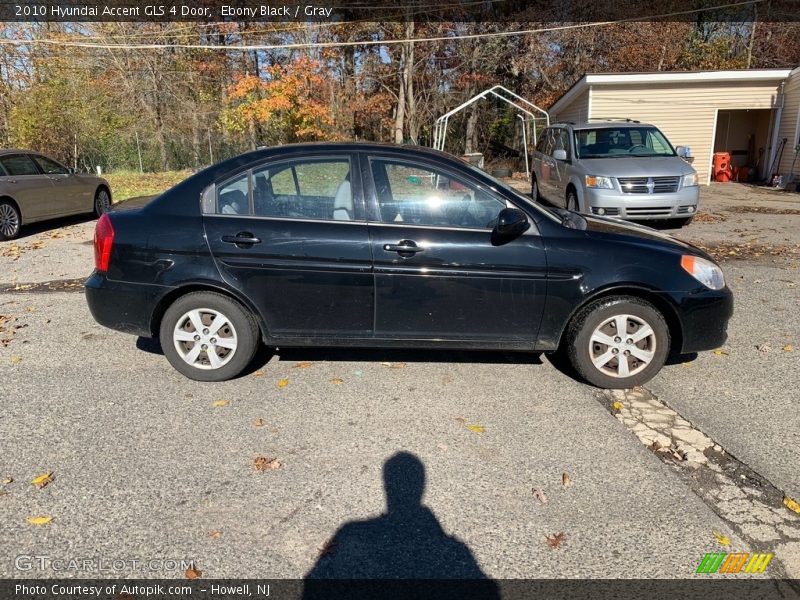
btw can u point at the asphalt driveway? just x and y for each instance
(254, 477)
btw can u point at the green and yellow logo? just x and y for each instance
(736, 562)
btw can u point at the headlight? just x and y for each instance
(594, 181)
(690, 180)
(705, 271)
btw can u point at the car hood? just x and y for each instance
(601, 225)
(626, 166)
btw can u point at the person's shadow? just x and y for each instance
(405, 543)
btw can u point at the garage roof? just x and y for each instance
(742, 75)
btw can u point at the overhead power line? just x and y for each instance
(339, 44)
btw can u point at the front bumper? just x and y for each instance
(614, 203)
(704, 319)
(126, 307)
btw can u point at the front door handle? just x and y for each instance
(404, 248)
(242, 239)
(11, 181)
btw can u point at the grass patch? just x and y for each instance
(130, 184)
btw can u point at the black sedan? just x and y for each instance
(387, 246)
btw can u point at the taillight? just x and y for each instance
(103, 240)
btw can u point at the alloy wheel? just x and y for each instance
(205, 338)
(103, 202)
(9, 221)
(622, 346)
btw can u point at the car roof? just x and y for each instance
(604, 124)
(348, 147)
(16, 151)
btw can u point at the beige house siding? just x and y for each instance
(790, 122)
(576, 111)
(685, 112)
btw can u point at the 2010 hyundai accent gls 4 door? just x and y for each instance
(386, 246)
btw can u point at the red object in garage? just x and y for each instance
(723, 171)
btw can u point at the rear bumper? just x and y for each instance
(704, 319)
(676, 205)
(126, 307)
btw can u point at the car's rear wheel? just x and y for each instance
(208, 337)
(10, 220)
(102, 202)
(618, 342)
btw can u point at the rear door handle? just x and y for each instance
(11, 181)
(403, 248)
(243, 238)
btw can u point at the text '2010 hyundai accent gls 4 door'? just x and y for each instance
(385, 246)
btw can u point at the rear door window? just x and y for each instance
(18, 165)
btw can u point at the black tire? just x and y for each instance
(102, 201)
(501, 172)
(535, 194)
(10, 220)
(581, 349)
(572, 200)
(678, 223)
(244, 333)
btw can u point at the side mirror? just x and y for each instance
(685, 153)
(560, 154)
(512, 221)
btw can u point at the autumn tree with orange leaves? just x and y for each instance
(290, 103)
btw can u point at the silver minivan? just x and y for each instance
(623, 169)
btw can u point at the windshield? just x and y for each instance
(616, 142)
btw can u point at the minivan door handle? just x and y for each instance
(404, 248)
(242, 239)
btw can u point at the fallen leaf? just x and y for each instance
(31, 308)
(188, 396)
(337, 381)
(219, 403)
(282, 383)
(539, 495)
(791, 504)
(617, 405)
(722, 538)
(358, 373)
(475, 428)
(566, 480)
(258, 374)
(461, 420)
(193, 573)
(15, 360)
(720, 352)
(764, 348)
(397, 366)
(686, 364)
(42, 480)
(442, 446)
(266, 464)
(258, 422)
(303, 365)
(788, 348)
(555, 540)
(8, 480)
(214, 534)
(39, 520)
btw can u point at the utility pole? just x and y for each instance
(138, 151)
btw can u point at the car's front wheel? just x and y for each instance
(208, 337)
(102, 202)
(10, 220)
(618, 342)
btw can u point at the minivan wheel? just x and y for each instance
(102, 202)
(10, 221)
(572, 201)
(618, 342)
(535, 190)
(208, 337)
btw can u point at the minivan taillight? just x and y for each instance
(103, 240)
